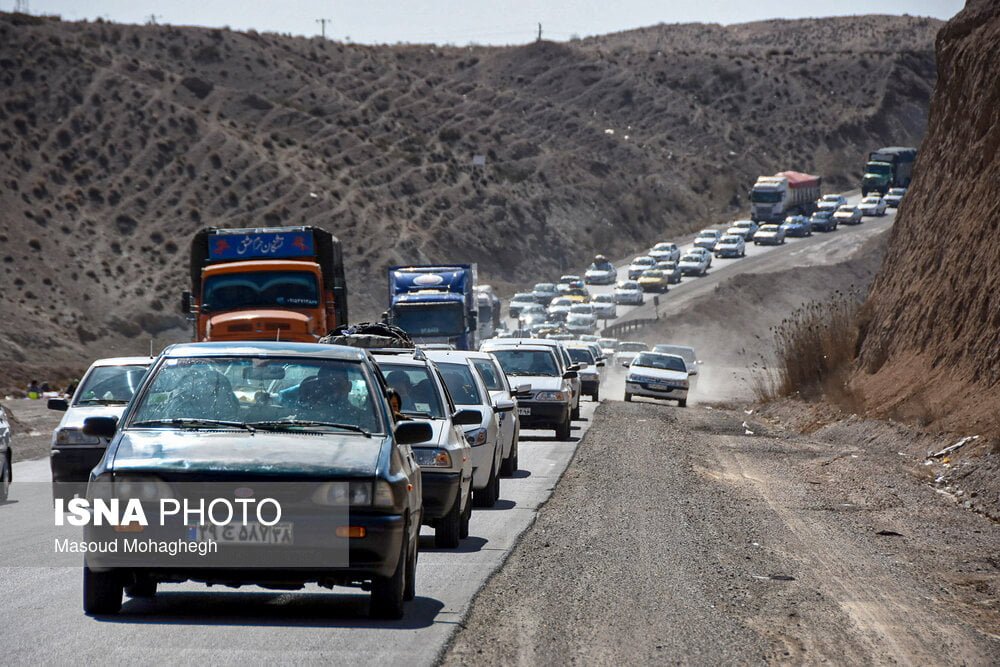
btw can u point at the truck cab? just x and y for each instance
(265, 284)
(435, 304)
(878, 177)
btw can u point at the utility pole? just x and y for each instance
(21, 7)
(539, 32)
(322, 26)
(151, 19)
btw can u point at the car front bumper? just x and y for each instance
(440, 488)
(542, 414)
(71, 468)
(767, 240)
(727, 252)
(650, 391)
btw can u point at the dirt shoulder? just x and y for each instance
(32, 424)
(676, 536)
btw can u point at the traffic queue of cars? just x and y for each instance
(399, 437)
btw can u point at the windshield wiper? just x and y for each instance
(420, 415)
(278, 424)
(102, 401)
(195, 422)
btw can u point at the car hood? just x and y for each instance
(538, 382)
(767, 232)
(690, 262)
(598, 272)
(75, 416)
(440, 435)
(658, 373)
(261, 453)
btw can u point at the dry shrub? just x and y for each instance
(814, 352)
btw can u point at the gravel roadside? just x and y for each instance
(676, 537)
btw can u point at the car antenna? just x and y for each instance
(151, 347)
(277, 335)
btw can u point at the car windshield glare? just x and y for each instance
(632, 347)
(185, 392)
(527, 362)
(663, 362)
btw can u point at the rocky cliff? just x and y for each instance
(931, 350)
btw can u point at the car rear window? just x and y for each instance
(461, 384)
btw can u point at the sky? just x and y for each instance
(470, 21)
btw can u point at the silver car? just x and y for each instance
(104, 391)
(501, 392)
(604, 306)
(707, 239)
(663, 251)
(628, 292)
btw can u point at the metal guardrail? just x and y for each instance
(616, 330)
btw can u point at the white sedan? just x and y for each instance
(731, 245)
(830, 202)
(693, 264)
(894, 196)
(628, 292)
(848, 215)
(872, 205)
(655, 375)
(664, 251)
(640, 264)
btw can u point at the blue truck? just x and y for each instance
(435, 303)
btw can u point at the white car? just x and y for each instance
(604, 306)
(693, 264)
(848, 215)
(577, 323)
(590, 364)
(744, 228)
(568, 282)
(731, 245)
(627, 351)
(830, 202)
(664, 251)
(532, 313)
(707, 239)
(445, 459)
(540, 366)
(656, 375)
(559, 308)
(873, 205)
(640, 264)
(603, 273)
(519, 301)
(500, 390)
(703, 252)
(557, 344)
(769, 235)
(628, 292)
(894, 196)
(104, 391)
(468, 391)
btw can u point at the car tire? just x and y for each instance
(596, 396)
(490, 494)
(682, 403)
(388, 592)
(4, 479)
(575, 414)
(509, 465)
(448, 528)
(463, 528)
(563, 430)
(142, 588)
(102, 592)
(628, 397)
(410, 590)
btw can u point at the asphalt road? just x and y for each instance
(820, 248)
(43, 623)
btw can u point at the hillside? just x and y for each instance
(118, 142)
(931, 349)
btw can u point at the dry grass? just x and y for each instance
(814, 352)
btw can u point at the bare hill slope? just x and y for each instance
(118, 142)
(931, 349)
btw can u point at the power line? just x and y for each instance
(322, 26)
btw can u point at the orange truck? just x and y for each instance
(281, 283)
